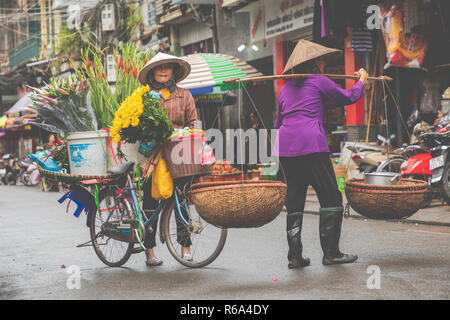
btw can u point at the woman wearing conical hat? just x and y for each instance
(303, 149)
(162, 73)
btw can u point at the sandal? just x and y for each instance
(187, 257)
(153, 262)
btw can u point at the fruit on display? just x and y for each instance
(223, 167)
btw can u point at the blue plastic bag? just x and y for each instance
(46, 163)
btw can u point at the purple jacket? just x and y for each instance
(301, 110)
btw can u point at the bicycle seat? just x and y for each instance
(122, 168)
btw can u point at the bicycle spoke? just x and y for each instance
(206, 241)
(111, 251)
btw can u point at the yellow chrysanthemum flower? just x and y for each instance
(129, 112)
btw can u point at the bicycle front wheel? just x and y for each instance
(205, 240)
(112, 252)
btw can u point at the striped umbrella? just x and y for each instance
(210, 70)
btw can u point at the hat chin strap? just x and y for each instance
(171, 84)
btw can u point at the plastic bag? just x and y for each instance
(162, 183)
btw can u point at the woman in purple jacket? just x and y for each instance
(305, 159)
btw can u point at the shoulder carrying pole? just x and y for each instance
(295, 76)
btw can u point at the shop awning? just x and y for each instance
(210, 70)
(20, 106)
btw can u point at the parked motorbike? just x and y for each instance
(429, 161)
(416, 166)
(49, 185)
(439, 146)
(30, 175)
(8, 170)
(372, 159)
(35, 176)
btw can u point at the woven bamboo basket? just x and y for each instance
(190, 156)
(386, 202)
(73, 178)
(240, 204)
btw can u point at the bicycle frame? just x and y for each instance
(124, 220)
(138, 209)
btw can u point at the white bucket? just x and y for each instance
(130, 150)
(87, 153)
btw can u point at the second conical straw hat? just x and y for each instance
(305, 51)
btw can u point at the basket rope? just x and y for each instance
(386, 202)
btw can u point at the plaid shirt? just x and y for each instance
(180, 107)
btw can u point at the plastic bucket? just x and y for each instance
(87, 153)
(129, 150)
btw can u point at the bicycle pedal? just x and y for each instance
(137, 250)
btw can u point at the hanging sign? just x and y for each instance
(256, 22)
(287, 15)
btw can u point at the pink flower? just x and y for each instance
(50, 99)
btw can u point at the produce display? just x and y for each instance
(224, 171)
(223, 167)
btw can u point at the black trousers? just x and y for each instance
(313, 170)
(183, 236)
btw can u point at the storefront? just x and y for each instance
(285, 24)
(195, 37)
(415, 60)
(418, 60)
(242, 35)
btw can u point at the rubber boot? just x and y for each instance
(293, 230)
(330, 222)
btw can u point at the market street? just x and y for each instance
(39, 241)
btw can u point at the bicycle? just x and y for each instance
(119, 223)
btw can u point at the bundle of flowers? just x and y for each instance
(61, 106)
(140, 118)
(105, 99)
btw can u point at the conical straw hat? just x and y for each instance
(305, 51)
(180, 73)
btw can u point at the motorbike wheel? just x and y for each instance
(11, 179)
(391, 165)
(24, 178)
(428, 199)
(45, 185)
(445, 183)
(49, 185)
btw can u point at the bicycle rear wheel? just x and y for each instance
(205, 240)
(112, 252)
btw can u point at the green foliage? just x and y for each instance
(154, 123)
(72, 41)
(103, 99)
(106, 101)
(128, 64)
(61, 156)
